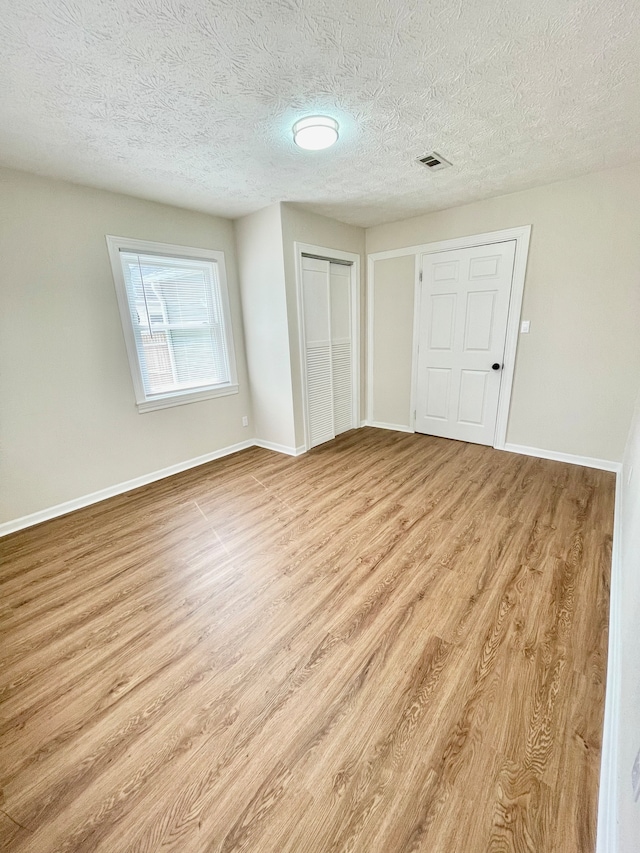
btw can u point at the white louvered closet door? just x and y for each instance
(341, 358)
(328, 348)
(317, 334)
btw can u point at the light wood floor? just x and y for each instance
(394, 643)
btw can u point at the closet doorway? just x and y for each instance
(328, 315)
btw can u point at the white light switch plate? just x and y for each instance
(524, 327)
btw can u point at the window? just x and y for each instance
(175, 315)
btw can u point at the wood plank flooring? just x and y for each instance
(393, 643)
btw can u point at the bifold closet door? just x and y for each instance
(317, 336)
(328, 348)
(341, 352)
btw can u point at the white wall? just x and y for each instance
(575, 371)
(264, 301)
(629, 707)
(69, 424)
(300, 226)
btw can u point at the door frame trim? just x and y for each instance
(301, 249)
(522, 237)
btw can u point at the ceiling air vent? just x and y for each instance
(434, 161)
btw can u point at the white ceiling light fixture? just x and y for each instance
(315, 132)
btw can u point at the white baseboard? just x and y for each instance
(607, 837)
(118, 489)
(111, 491)
(394, 427)
(279, 448)
(556, 456)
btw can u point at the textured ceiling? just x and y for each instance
(191, 101)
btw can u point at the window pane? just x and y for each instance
(176, 314)
(197, 357)
(157, 362)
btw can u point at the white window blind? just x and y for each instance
(176, 311)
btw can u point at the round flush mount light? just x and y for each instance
(315, 132)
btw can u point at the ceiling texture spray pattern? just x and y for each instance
(191, 102)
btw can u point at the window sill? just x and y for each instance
(181, 399)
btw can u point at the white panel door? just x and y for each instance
(328, 337)
(464, 304)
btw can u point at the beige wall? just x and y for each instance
(629, 659)
(69, 424)
(267, 263)
(303, 227)
(575, 371)
(264, 300)
(393, 297)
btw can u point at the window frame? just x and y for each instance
(144, 401)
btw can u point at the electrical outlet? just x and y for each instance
(524, 327)
(245, 420)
